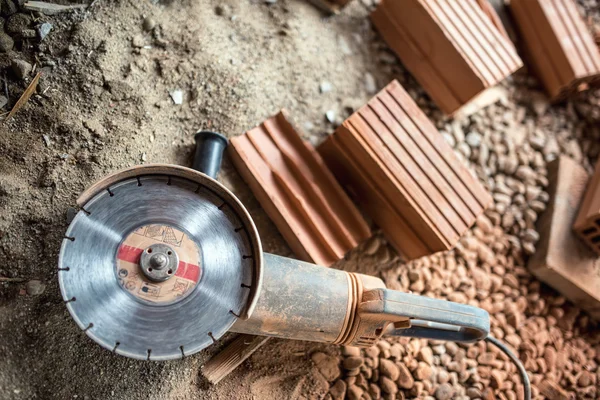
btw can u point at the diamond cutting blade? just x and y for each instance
(123, 310)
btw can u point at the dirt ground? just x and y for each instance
(104, 103)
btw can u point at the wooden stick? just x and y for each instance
(231, 356)
(5, 279)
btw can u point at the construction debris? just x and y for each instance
(562, 259)
(404, 175)
(452, 48)
(231, 357)
(561, 48)
(289, 178)
(51, 8)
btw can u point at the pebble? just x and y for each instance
(177, 96)
(327, 365)
(388, 385)
(17, 22)
(352, 362)
(338, 390)
(423, 371)
(370, 83)
(325, 87)
(35, 287)
(3, 101)
(444, 392)
(355, 393)
(21, 68)
(426, 355)
(351, 351)
(330, 116)
(474, 139)
(6, 42)
(405, 379)
(43, 30)
(389, 369)
(148, 24)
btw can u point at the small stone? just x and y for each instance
(6, 42)
(352, 362)
(177, 96)
(325, 87)
(27, 34)
(21, 68)
(148, 24)
(423, 371)
(405, 379)
(451, 347)
(444, 392)
(426, 355)
(346, 50)
(374, 391)
(388, 385)
(47, 140)
(351, 351)
(330, 116)
(35, 287)
(3, 101)
(43, 30)
(9, 7)
(585, 379)
(388, 368)
(327, 365)
(473, 139)
(17, 22)
(497, 379)
(372, 352)
(138, 41)
(473, 393)
(370, 83)
(355, 392)
(338, 390)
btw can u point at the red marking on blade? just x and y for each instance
(188, 271)
(184, 270)
(130, 254)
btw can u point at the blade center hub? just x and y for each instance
(159, 262)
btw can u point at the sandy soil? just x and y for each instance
(105, 106)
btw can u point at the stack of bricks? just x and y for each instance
(298, 192)
(452, 47)
(587, 224)
(406, 177)
(562, 51)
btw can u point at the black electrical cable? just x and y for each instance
(517, 362)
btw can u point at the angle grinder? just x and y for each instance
(162, 260)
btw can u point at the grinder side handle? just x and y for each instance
(423, 317)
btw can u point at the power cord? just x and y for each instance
(517, 362)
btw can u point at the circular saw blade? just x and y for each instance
(112, 314)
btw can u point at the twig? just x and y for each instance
(6, 279)
(231, 356)
(24, 97)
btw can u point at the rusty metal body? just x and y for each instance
(304, 301)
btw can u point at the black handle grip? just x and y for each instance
(209, 152)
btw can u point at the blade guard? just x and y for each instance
(214, 186)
